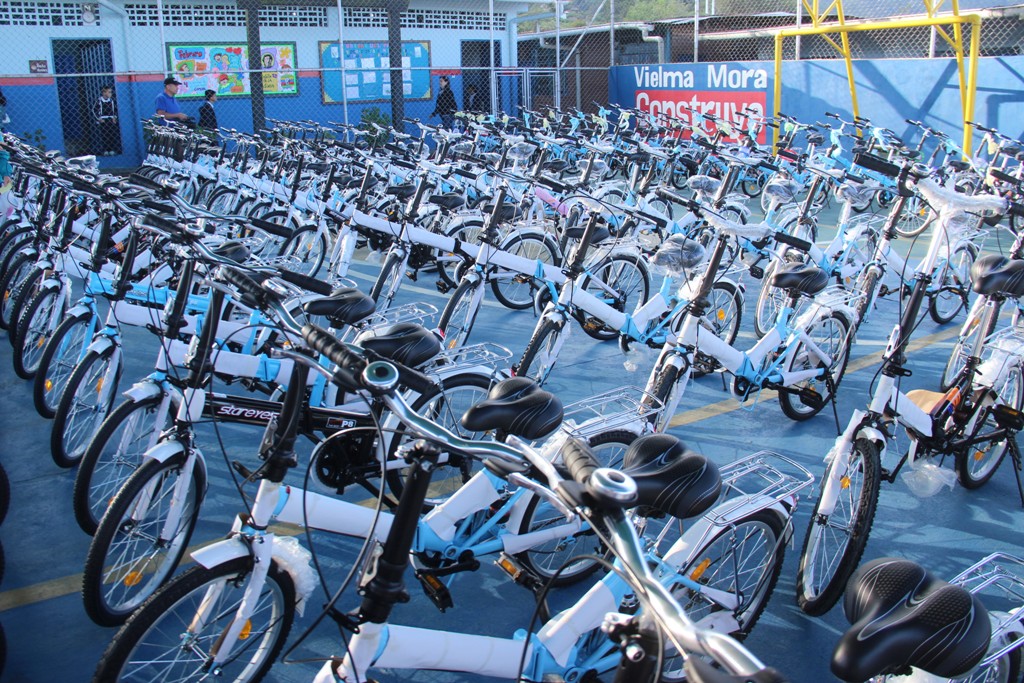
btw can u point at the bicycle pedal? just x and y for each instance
(516, 571)
(412, 275)
(756, 272)
(811, 398)
(435, 590)
(442, 286)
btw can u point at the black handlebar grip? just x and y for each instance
(853, 177)
(326, 196)
(252, 292)
(310, 284)
(142, 181)
(579, 460)
(551, 184)
(159, 207)
(403, 164)
(350, 365)
(465, 174)
(1016, 209)
(414, 379)
(876, 164)
(1003, 176)
(831, 115)
(769, 166)
(660, 222)
(163, 225)
(802, 245)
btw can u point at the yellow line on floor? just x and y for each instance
(56, 588)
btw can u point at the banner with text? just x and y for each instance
(723, 90)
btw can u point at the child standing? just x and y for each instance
(105, 112)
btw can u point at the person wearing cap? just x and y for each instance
(207, 115)
(166, 106)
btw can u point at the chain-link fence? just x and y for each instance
(251, 63)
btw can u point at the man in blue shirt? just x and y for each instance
(166, 105)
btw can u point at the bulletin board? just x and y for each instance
(366, 77)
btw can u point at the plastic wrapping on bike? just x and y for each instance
(310, 284)
(349, 364)
(701, 671)
(876, 164)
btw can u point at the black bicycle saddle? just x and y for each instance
(902, 616)
(671, 478)
(994, 273)
(410, 344)
(516, 406)
(344, 307)
(805, 278)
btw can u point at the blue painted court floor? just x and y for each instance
(51, 639)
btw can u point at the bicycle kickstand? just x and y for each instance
(1017, 464)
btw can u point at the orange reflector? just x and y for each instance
(99, 385)
(132, 579)
(246, 630)
(978, 455)
(700, 569)
(721, 314)
(48, 384)
(845, 482)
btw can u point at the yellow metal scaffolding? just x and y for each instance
(967, 74)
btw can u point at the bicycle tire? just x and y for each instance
(957, 273)
(818, 594)
(18, 270)
(914, 219)
(722, 564)
(76, 418)
(834, 340)
(60, 356)
(21, 295)
(467, 232)
(114, 453)
(5, 494)
(389, 281)
(12, 243)
(167, 616)
(541, 352)
(445, 405)
(628, 275)
(516, 290)
(664, 389)
(865, 288)
(545, 559)
(976, 466)
(459, 314)
(752, 187)
(962, 349)
(128, 560)
(34, 332)
(222, 200)
(306, 246)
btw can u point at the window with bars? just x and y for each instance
(16, 13)
(147, 14)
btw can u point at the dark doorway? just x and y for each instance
(476, 67)
(92, 67)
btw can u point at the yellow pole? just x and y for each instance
(777, 99)
(972, 86)
(849, 62)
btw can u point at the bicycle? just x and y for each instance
(975, 420)
(242, 588)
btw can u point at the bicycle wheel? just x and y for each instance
(388, 282)
(914, 219)
(629, 279)
(447, 262)
(725, 311)
(113, 455)
(132, 554)
(865, 290)
(770, 301)
(753, 181)
(5, 494)
(165, 640)
(832, 335)
(666, 389)
(952, 285)
(446, 406)
(962, 349)
(19, 268)
(743, 560)
(541, 351)
(35, 330)
(222, 200)
(545, 559)
(516, 290)
(459, 314)
(60, 355)
(21, 295)
(11, 244)
(305, 250)
(81, 410)
(835, 543)
(976, 465)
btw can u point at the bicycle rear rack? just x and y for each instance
(757, 476)
(1003, 575)
(629, 408)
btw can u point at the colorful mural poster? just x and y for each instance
(225, 69)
